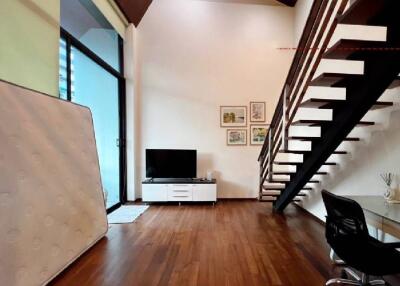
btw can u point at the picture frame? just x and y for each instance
(257, 111)
(236, 137)
(258, 134)
(233, 116)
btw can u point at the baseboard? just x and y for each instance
(238, 199)
(139, 200)
(310, 215)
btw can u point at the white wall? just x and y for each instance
(301, 12)
(194, 56)
(130, 68)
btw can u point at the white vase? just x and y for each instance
(390, 194)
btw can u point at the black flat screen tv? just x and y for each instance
(163, 163)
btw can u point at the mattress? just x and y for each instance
(51, 201)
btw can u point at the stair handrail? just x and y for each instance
(294, 70)
(297, 98)
(319, 24)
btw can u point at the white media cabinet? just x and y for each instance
(179, 190)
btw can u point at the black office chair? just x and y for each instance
(347, 233)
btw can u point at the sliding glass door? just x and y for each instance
(91, 74)
(96, 88)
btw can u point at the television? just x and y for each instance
(164, 163)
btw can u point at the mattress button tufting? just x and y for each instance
(22, 273)
(36, 243)
(55, 251)
(12, 236)
(29, 211)
(44, 272)
(60, 201)
(48, 221)
(5, 199)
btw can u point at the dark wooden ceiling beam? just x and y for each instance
(133, 10)
(290, 3)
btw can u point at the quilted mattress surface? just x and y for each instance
(51, 200)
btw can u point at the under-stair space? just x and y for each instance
(337, 89)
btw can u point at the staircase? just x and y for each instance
(334, 83)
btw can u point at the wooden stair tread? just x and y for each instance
(340, 153)
(272, 188)
(287, 163)
(304, 138)
(277, 195)
(283, 173)
(292, 173)
(265, 188)
(331, 103)
(365, 123)
(395, 83)
(273, 200)
(362, 12)
(271, 192)
(278, 181)
(314, 122)
(309, 122)
(334, 79)
(352, 49)
(330, 164)
(292, 152)
(300, 163)
(320, 103)
(381, 104)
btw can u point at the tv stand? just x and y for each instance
(179, 190)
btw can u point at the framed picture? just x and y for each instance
(258, 134)
(233, 116)
(236, 137)
(257, 111)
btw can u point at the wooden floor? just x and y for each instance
(233, 243)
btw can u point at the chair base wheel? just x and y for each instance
(342, 281)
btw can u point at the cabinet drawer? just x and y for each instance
(180, 187)
(180, 194)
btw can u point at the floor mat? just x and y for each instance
(126, 214)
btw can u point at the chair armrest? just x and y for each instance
(392, 244)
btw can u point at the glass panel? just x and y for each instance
(84, 21)
(62, 93)
(96, 88)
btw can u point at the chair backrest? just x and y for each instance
(345, 219)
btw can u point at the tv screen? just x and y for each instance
(161, 163)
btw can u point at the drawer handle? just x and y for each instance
(180, 191)
(180, 196)
(180, 185)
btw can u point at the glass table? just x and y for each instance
(380, 214)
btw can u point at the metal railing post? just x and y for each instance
(270, 169)
(284, 145)
(261, 180)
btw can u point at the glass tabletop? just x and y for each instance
(379, 206)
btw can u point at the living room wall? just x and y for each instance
(196, 55)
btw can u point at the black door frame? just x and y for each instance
(71, 41)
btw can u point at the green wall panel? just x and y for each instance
(29, 43)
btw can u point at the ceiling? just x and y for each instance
(259, 2)
(134, 10)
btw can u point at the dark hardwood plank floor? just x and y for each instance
(233, 243)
